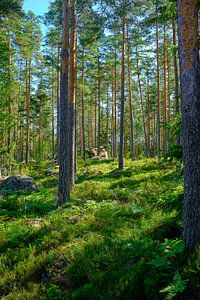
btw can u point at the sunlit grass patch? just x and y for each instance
(99, 246)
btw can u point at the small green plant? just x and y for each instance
(177, 286)
(53, 293)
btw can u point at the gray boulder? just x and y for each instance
(96, 158)
(16, 183)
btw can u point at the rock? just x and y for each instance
(37, 223)
(58, 272)
(16, 183)
(54, 171)
(93, 153)
(104, 154)
(96, 158)
(95, 171)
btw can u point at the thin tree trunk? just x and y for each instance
(178, 138)
(113, 118)
(121, 145)
(99, 110)
(28, 80)
(115, 99)
(155, 133)
(83, 109)
(107, 118)
(72, 90)
(158, 87)
(148, 120)
(168, 99)
(95, 122)
(164, 97)
(132, 149)
(9, 97)
(141, 102)
(58, 102)
(52, 116)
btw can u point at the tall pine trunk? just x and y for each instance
(64, 159)
(141, 102)
(164, 94)
(190, 92)
(178, 138)
(28, 83)
(58, 101)
(72, 91)
(83, 110)
(132, 149)
(158, 87)
(121, 145)
(52, 116)
(99, 110)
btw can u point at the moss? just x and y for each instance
(111, 236)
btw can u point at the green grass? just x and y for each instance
(119, 238)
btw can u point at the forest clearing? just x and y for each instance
(119, 238)
(99, 149)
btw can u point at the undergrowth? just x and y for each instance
(119, 238)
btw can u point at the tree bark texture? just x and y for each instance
(64, 159)
(190, 92)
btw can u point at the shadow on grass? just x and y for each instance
(132, 184)
(23, 204)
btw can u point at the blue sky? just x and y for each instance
(39, 7)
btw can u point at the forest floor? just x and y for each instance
(119, 238)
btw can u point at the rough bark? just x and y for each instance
(64, 159)
(190, 92)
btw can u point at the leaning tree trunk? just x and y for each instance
(64, 159)
(190, 91)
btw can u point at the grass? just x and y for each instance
(119, 238)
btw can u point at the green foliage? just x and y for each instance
(177, 286)
(53, 293)
(119, 238)
(175, 152)
(10, 6)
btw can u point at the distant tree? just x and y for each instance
(10, 6)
